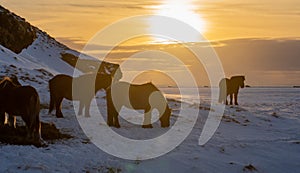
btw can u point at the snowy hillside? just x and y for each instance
(38, 57)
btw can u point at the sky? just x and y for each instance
(257, 38)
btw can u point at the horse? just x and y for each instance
(23, 101)
(230, 87)
(139, 97)
(79, 88)
(9, 82)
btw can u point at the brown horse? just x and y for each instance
(79, 88)
(230, 87)
(22, 101)
(146, 97)
(9, 82)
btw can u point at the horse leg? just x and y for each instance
(52, 103)
(231, 96)
(87, 108)
(80, 107)
(147, 119)
(109, 108)
(32, 119)
(29, 123)
(222, 96)
(235, 99)
(112, 113)
(36, 126)
(58, 108)
(110, 119)
(113, 117)
(225, 100)
(2, 118)
(116, 120)
(12, 121)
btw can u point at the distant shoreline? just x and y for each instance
(293, 86)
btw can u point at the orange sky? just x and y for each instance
(79, 20)
(75, 22)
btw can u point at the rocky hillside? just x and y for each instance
(16, 33)
(28, 48)
(35, 57)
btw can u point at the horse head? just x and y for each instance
(15, 80)
(242, 79)
(238, 80)
(103, 81)
(8, 82)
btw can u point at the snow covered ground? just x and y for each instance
(262, 134)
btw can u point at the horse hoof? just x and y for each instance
(117, 126)
(147, 126)
(43, 143)
(87, 116)
(59, 116)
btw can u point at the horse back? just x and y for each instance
(20, 100)
(60, 80)
(131, 95)
(61, 85)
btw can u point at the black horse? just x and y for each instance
(79, 88)
(144, 97)
(230, 87)
(22, 101)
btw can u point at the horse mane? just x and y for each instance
(237, 81)
(238, 78)
(96, 76)
(7, 79)
(150, 84)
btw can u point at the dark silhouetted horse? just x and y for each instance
(22, 101)
(230, 87)
(139, 97)
(82, 88)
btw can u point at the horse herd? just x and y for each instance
(18, 100)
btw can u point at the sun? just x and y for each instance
(184, 11)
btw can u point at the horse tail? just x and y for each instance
(52, 100)
(223, 90)
(34, 113)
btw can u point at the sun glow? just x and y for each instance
(184, 11)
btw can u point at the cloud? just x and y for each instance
(264, 61)
(281, 7)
